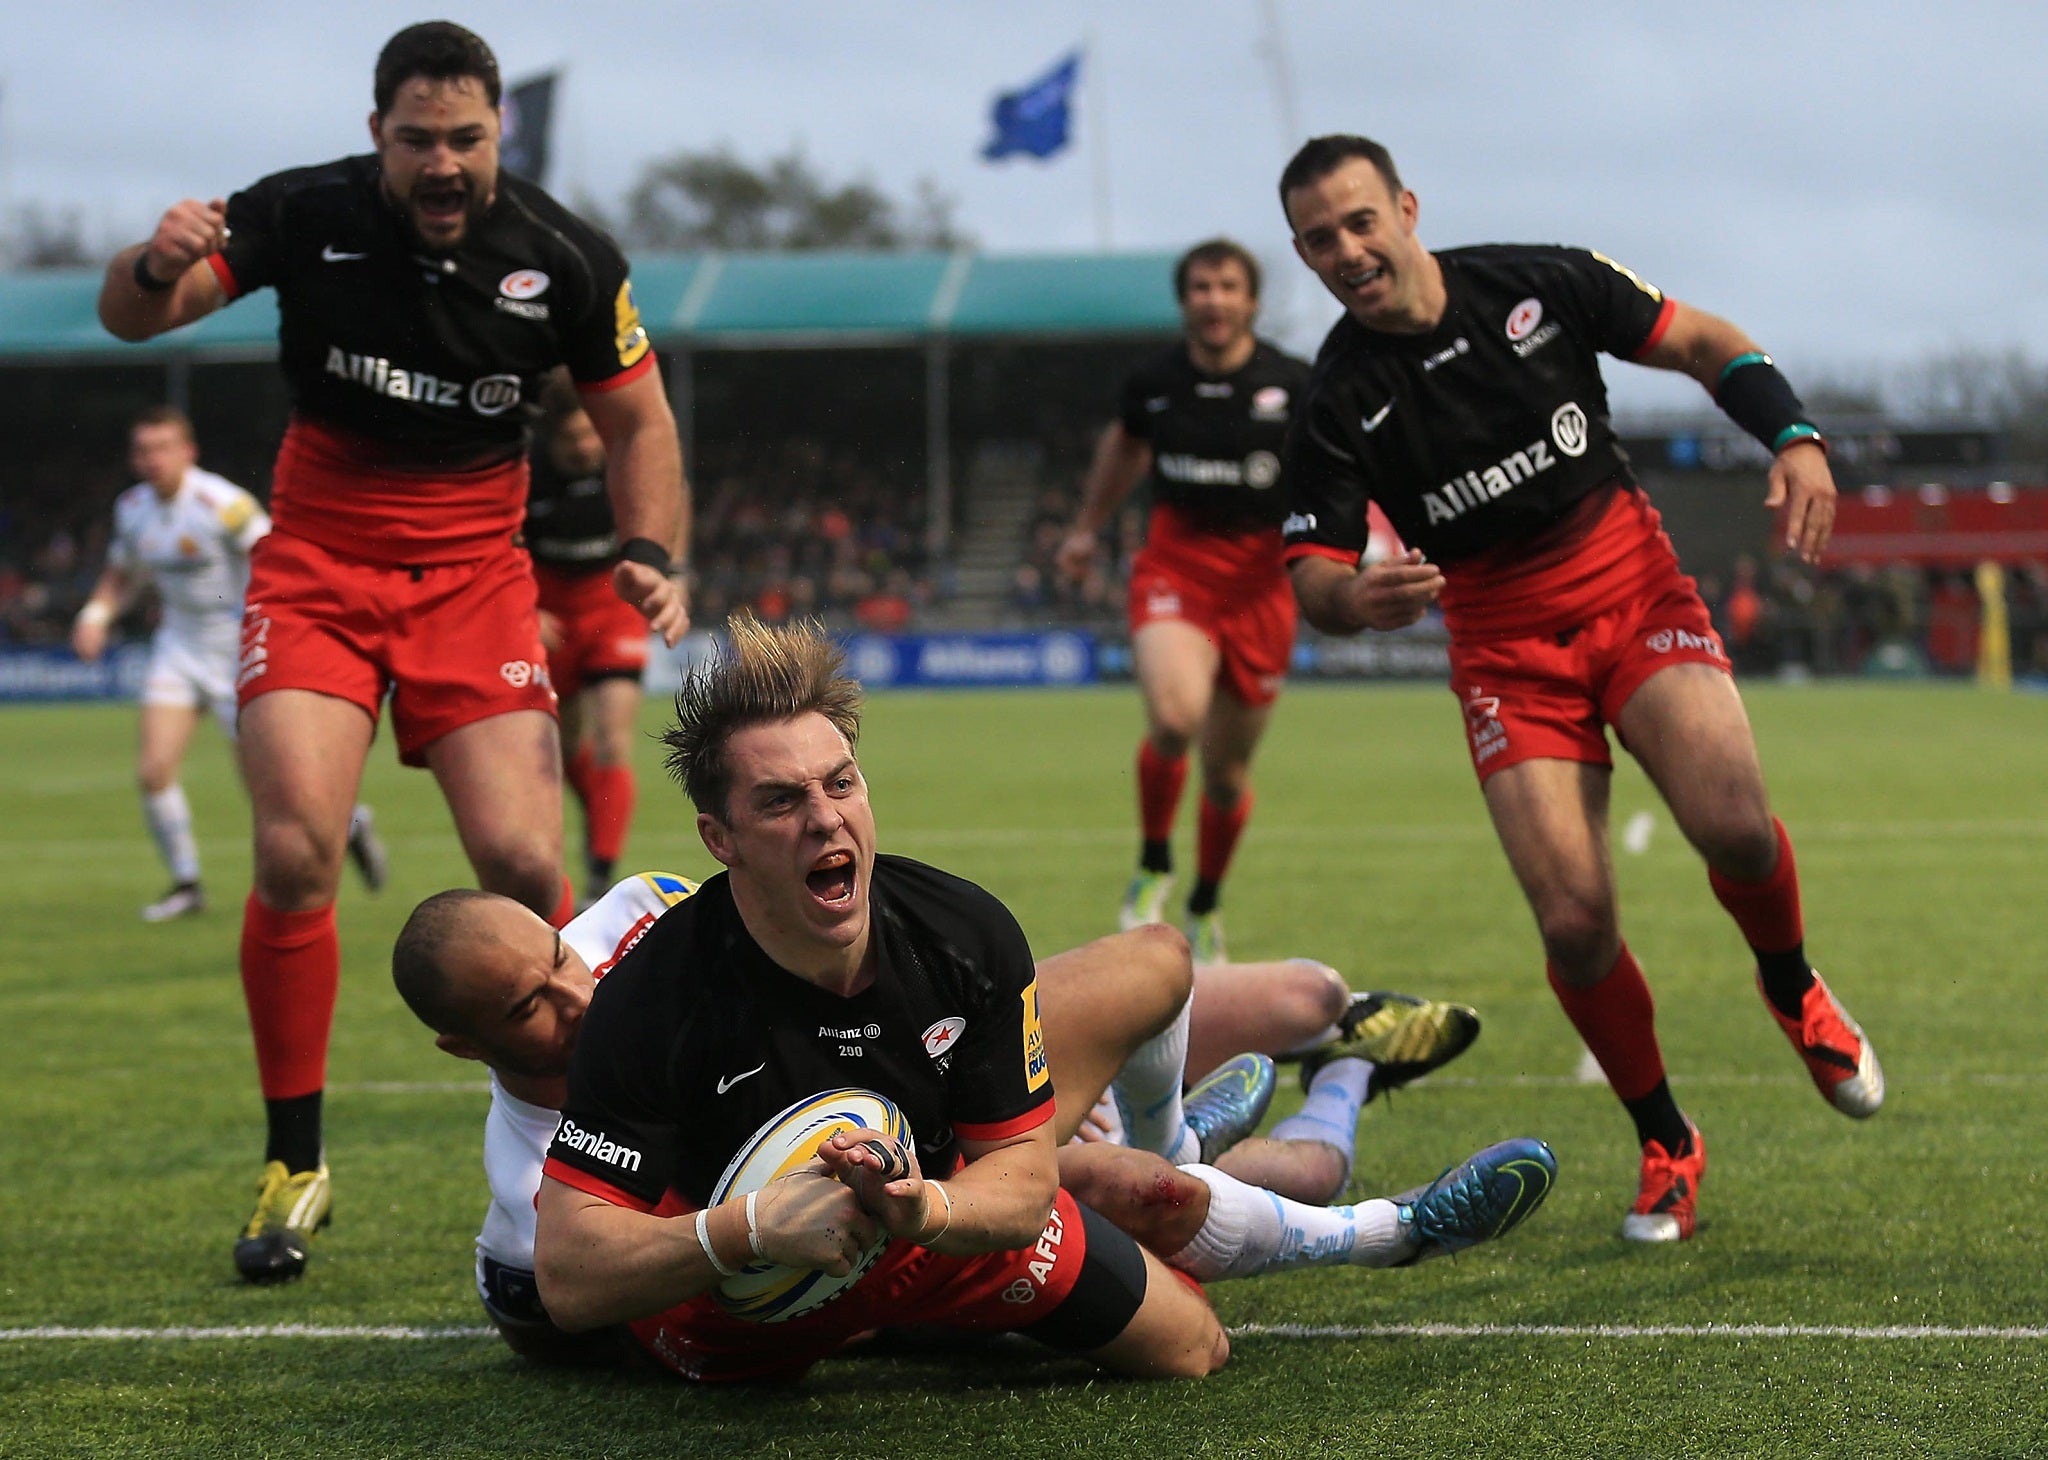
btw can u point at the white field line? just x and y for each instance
(1460, 1082)
(1290, 1332)
(1476, 832)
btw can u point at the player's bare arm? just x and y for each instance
(997, 1202)
(597, 1263)
(1339, 599)
(1704, 346)
(172, 260)
(1120, 463)
(644, 478)
(89, 630)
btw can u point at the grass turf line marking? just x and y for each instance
(1291, 1332)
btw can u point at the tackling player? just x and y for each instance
(597, 644)
(422, 296)
(517, 995)
(1212, 620)
(189, 532)
(1461, 392)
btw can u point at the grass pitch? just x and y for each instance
(1872, 1289)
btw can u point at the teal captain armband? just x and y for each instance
(1757, 397)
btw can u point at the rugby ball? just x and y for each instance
(767, 1292)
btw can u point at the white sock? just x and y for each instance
(170, 822)
(1330, 1114)
(358, 821)
(1147, 1091)
(1251, 1231)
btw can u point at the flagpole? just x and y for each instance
(1098, 140)
(1281, 73)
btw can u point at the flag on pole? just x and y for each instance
(529, 108)
(1038, 120)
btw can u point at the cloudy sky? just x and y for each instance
(1857, 184)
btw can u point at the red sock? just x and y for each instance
(1617, 1019)
(577, 773)
(1216, 834)
(608, 801)
(1766, 911)
(1159, 782)
(291, 971)
(565, 907)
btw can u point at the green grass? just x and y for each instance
(1921, 816)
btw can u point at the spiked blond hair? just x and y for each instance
(766, 675)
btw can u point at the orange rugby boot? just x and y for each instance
(1665, 1203)
(1838, 1056)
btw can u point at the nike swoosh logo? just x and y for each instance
(1372, 423)
(333, 255)
(726, 1082)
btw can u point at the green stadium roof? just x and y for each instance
(712, 300)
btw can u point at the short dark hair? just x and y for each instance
(1321, 156)
(418, 959)
(439, 50)
(766, 675)
(164, 416)
(1211, 253)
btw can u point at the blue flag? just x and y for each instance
(1037, 121)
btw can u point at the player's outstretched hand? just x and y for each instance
(1803, 486)
(883, 1175)
(1076, 553)
(1397, 592)
(809, 1220)
(187, 233)
(661, 600)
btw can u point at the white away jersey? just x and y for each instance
(195, 547)
(517, 1133)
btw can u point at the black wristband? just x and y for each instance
(645, 550)
(147, 281)
(1759, 399)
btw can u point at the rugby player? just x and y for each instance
(596, 643)
(1461, 392)
(1212, 620)
(189, 532)
(423, 296)
(806, 966)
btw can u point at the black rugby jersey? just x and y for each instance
(1216, 439)
(427, 356)
(569, 518)
(696, 1039)
(1485, 430)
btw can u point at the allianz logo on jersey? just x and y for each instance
(487, 395)
(1258, 471)
(1476, 488)
(597, 1147)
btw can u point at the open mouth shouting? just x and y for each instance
(441, 208)
(832, 881)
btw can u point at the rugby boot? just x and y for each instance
(366, 849)
(1667, 1200)
(1404, 1037)
(1205, 938)
(1144, 900)
(1229, 1102)
(181, 901)
(1483, 1197)
(290, 1207)
(1838, 1056)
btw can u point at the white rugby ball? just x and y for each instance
(767, 1292)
